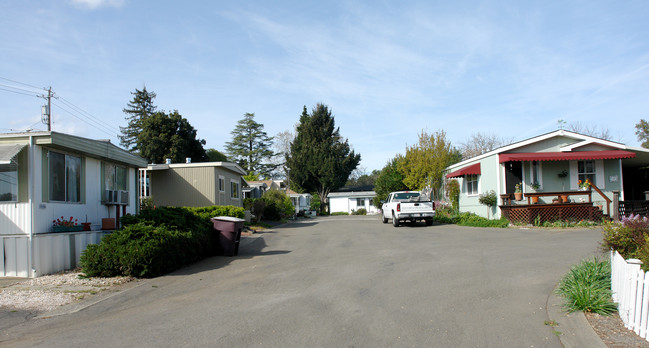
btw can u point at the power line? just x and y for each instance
(88, 115)
(20, 83)
(100, 127)
(18, 92)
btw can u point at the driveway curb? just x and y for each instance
(574, 329)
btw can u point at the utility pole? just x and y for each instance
(49, 109)
(46, 110)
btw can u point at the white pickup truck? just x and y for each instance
(407, 205)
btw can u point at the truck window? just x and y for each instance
(404, 196)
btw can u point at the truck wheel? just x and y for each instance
(429, 222)
(395, 221)
(384, 219)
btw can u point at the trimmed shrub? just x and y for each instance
(157, 241)
(339, 213)
(361, 211)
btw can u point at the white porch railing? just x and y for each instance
(630, 287)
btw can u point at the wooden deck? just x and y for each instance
(528, 213)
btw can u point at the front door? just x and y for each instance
(513, 175)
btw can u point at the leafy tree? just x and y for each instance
(251, 177)
(389, 180)
(214, 155)
(642, 131)
(137, 110)
(320, 160)
(251, 146)
(169, 136)
(424, 163)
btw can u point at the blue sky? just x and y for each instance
(387, 69)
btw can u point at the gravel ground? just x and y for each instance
(52, 291)
(612, 331)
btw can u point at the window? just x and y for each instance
(471, 184)
(64, 177)
(360, 202)
(586, 170)
(115, 177)
(234, 186)
(221, 184)
(8, 182)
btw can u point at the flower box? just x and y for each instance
(67, 228)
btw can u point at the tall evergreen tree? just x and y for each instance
(137, 110)
(169, 136)
(320, 160)
(251, 147)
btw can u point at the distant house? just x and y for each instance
(193, 184)
(255, 189)
(45, 176)
(351, 199)
(301, 201)
(549, 168)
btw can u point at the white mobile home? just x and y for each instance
(47, 176)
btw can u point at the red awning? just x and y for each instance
(470, 170)
(565, 156)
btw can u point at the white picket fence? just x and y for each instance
(630, 286)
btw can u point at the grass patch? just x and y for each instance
(587, 287)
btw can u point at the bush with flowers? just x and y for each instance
(65, 223)
(630, 238)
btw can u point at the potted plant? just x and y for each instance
(584, 186)
(518, 192)
(63, 225)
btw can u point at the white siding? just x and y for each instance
(14, 218)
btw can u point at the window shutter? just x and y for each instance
(574, 176)
(600, 179)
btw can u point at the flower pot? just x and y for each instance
(518, 196)
(67, 228)
(86, 226)
(535, 199)
(564, 198)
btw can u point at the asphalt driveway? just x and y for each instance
(341, 282)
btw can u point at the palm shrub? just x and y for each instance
(587, 287)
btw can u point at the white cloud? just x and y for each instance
(94, 4)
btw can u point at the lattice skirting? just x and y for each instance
(551, 212)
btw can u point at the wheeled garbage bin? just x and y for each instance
(229, 229)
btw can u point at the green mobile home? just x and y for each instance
(550, 168)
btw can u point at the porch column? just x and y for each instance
(616, 205)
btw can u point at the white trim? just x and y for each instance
(221, 180)
(466, 185)
(621, 180)
(571, 147)
(536, 139)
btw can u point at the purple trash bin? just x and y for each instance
(229, 229)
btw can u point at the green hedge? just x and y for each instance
(157, 241)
